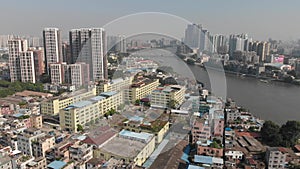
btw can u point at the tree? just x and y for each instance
(173, 104)
(45, 78)
(270, 134)
(79, 127)
(137, 102)
(290, 132)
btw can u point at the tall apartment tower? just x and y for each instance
(88, 45)
(192, 35)
(27, 67)
(79, 74)
(238, 43)
(57, 73)
(15, 48)
(263, 49)
(52, 46)
(117, 43)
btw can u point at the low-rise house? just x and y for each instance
(94, 163)
(80, 153)
(234, 155)
(209, 148)
(42, 144)
(275, 158)
(201, 130)
(37, 163)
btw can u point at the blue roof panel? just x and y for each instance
(57, 164)
(203, 159)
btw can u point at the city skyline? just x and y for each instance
(260, 19)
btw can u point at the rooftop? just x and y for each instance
(97, 98)
(100, 135)
(207, 159)
(195, 167)
(57, 164)
(145, 137)
(124, 147)
(168, 89)
(108, 94)
(79, 104)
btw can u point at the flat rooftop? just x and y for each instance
(79, 104)
(97, 98)
(108, 94)
(145, 137)
(124, 147)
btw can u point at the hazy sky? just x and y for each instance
(261, 19)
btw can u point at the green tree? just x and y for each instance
(270, 134)
(290, 132)
(45, 78)
(137, 102)
(79, 127)
(173, 104)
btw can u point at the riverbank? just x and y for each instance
(238, 74)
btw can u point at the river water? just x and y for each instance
(274, 101)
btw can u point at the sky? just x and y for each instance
(261, 19)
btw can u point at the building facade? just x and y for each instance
(88, 45)
(275, 158)
(52, 106)
(52, 46)
(83, 112)
(140, 89)
(15, 48)
(167, 97)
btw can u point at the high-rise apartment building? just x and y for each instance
(27, 67)
(192, 35)
(219, 44)
(238, 43)
(15, 48)
(117, 43)
(88, 45)
(79, 74)
(4, 40)
(57, 73)
(261, 48)
(52, 46)
(39, 64)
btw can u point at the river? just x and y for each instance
(274, 101)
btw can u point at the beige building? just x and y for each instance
(130, 146)
(5, 161)
(83, 112)
(25, 140)
(80, 154)
(167, 96)
(118, 84)
(37, 163)
(52, 106)
(36, 121)
(158, 127)
(41, 145)
(140, 89)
